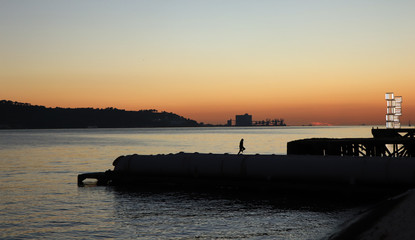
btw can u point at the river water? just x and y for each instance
(39, 196)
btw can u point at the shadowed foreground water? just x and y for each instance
(39, 197)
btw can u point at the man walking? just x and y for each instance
(241, 146)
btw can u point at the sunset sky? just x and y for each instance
(304, 61)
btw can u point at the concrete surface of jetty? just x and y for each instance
(391, 219)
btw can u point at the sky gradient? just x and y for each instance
(304, 61)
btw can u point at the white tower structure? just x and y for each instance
(393, 110)
(398, 111)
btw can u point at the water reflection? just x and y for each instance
(217, 214)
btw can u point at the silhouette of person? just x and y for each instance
(241, 146)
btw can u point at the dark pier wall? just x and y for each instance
(268, 168)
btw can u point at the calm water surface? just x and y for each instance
(39, 197)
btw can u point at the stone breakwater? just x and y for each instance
(259, 170)
(349, 170)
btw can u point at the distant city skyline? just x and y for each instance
(321, 62)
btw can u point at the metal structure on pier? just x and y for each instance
(393, 141)
(385, 143)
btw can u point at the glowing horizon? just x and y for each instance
(323, 62)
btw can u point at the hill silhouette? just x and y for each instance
(16, 115)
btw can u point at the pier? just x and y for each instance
(384, 161)
(385, 143)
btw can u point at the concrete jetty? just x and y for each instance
(385, 160)
(185, 169)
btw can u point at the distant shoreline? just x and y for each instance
(199, 126)
(18, 115)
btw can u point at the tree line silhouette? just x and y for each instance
(16, 115)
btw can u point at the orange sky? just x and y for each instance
(302, 61)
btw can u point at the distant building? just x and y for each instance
(243, 120)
